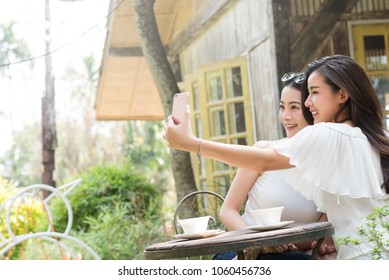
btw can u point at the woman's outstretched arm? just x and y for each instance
(180, 137)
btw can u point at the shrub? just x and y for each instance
(115, 211)
(52, 249)
(104, 187)
(115, 235)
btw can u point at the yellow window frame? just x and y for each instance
(358, 33)
(214, 172)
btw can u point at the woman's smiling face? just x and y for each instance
(290, 112)
(322, 101)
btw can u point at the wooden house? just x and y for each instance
(230, 54)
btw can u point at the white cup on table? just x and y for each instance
(267, 216)
(194, 225)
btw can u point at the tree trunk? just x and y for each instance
(166, 84)
(49, 138)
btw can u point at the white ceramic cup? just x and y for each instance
(194, 225)
(267, 216)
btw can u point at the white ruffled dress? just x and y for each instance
(337, 168)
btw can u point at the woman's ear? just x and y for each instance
(343, 96)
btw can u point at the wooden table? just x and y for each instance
(239, 240)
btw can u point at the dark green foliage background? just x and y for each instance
(104, 187)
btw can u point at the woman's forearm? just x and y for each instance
(258, 159)
(231, 219)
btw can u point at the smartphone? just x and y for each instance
(180, 102)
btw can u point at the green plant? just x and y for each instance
(375, 231)
(116, 211)
(27, 214)
(7, 189)
(146, 150)
(116, 235)
(52, 249)
(103, 187)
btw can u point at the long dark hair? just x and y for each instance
(362, 107)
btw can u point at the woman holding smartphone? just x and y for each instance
(268, 189)
(341, 162)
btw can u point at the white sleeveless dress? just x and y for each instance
(270, 190)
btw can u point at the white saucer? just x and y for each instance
(270, 227)
(208, 233)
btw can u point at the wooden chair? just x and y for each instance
(199, 203)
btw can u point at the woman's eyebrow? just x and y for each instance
(295, 102)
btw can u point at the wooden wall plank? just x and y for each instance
(265, 100)
(193, 28)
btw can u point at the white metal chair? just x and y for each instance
(20, 207)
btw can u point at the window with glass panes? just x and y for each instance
(221, 111)
(371, 47)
